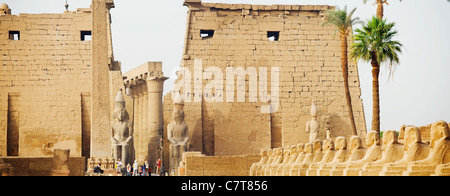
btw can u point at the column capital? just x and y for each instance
(155, 84)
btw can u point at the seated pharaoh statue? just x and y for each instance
(177, 134)
(122, 130)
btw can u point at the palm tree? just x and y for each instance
(380, 7)
(374, 43)
(343, 22)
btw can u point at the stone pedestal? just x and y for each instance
(352, 170)
(392, 170)
(371, 170)
(60, 163)
(442, 170)
(419, 170)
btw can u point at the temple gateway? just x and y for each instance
(259, 89)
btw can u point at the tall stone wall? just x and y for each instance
(306, 54)
(46, 82)
(43, 76)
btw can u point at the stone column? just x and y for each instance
(155, 114)
(138, 122)
(145, 133)
(100, 123)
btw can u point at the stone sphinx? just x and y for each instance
(306, 160)
(293, 151)
(328, 155)
(278, 157)
(355, 153)
(259, 168)
(439, 153)
(122, 130)
(374, 151)
(264, 159)
(340, 156)
(393, 151)
(297, 161)
(177, 134)
(285, 158)
(414, 150)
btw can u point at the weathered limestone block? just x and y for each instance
(6, 169)
(60, 163)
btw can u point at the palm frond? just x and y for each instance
(376, 37)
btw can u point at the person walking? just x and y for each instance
(119, 166)
(146, 168)
(135, 168)
(158, 166)
(128, 170)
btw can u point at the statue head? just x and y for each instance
(439, 130)
(328, 144)
(4, 9)
(341, 143)
(269, 152)
(263, 152)
(389, 137)
(308, 149)
(120, 113)
(355, 142)
(300, 147)
(317, 145)
(178, 116)
(293, 149)
(412, 135)
(373, 138)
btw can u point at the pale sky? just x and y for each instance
(419, 93)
